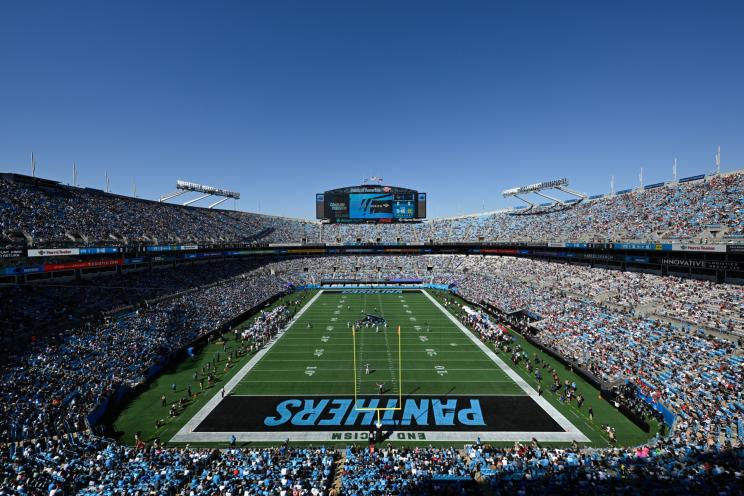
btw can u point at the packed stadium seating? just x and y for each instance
(90, 465)
(51, 214)
(674, 341)
(51, 386)
(30, 310)
(44, 213)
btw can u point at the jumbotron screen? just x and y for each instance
(368, 203)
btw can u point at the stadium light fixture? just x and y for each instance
(539, 188)
(531, 188)
(183, 187)
(210, 190)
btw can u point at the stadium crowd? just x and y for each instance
(31, 310)
(51, 214)
(661, 468)
(49, 387)
(401, 471)
(90, 465)
(52, 386)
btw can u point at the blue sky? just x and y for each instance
(282, 99)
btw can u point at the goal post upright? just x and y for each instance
(353, 338)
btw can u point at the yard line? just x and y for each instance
(276, 352)
(408, 360)
(469, 369)
(337, 395)
(440, 381)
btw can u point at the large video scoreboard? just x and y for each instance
(370, 203)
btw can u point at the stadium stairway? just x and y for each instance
(338, 473)
(648, 309)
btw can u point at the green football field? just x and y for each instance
(356, 360)
(316, 356)
(304, 386)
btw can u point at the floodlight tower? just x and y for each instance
(207, 191)
(538, 188)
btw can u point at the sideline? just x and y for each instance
(186, 432)
(566, 424)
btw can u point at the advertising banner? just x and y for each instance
(692, 178)
(643, 246)
(598, 256)
(83, 265)
(683, 262)
(722, 265)
(637, 259)
(28, 269)
(702, 264)
(171, 248)
(107, 250)
(700, 248)
(10, 252)
(54, 252)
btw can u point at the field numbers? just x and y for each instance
(319, 352)
(325, 338)
(440, 369)
(431, 352)
(310, 370)
(423, 339)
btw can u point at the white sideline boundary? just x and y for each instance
(567, 426)
(570, 433)
(186, 432)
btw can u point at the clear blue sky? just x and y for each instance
(282, 99)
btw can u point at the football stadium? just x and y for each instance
(380, 341)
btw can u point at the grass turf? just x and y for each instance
(140, 413)
(437, 358)
(316, 357)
